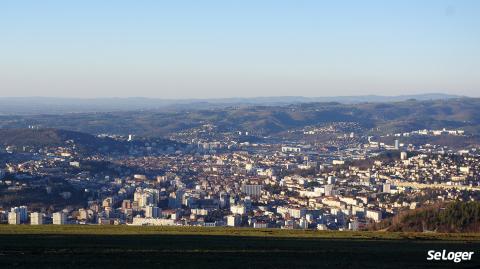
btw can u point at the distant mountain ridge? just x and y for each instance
(51, 105)
(264, 120)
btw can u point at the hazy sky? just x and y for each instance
(205, 49)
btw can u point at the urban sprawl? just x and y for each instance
(221, 179)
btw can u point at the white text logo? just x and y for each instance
(455, 256)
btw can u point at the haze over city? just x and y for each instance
(218, 49)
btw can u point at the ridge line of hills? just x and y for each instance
(54, 105)
(402, 116)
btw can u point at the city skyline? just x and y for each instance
(221, 50)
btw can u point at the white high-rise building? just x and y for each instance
(252, 190)
(146, 196)
(59, 218)
(13, 218)
(36, 218)
(234, 220)
(152, 212)
(386, 187)
(22, 210)
(328, 189)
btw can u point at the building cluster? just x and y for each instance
(241, 184)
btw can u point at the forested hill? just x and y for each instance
(451, 217)
(84, 142)
(47, 137)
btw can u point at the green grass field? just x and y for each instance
(49, 246)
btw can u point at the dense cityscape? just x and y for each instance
(210, 177)
(239, 134)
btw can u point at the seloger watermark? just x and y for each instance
(455, 256)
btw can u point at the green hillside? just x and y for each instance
(448, 218)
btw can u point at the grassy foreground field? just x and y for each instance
(49, 246)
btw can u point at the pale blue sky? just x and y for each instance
(205, 49)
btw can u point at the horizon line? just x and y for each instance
(238, 97)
